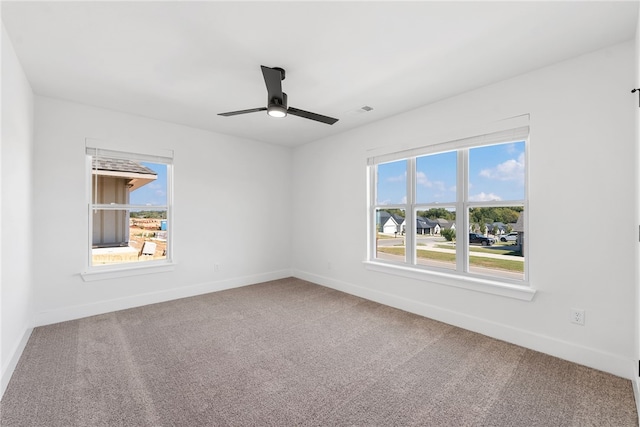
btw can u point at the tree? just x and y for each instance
(435, 213)
(449, 234)
(505, 215)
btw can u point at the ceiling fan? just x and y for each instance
(277, 100)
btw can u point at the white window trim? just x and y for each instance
(484, 285)
(122, 270)
(104, 272)
(461, 277)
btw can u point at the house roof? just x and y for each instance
(398, 218)
(135, 174)
(383, 217)
(423, 223)
(519, 225)
(120, 165)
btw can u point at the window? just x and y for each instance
(456, 208)
(129, 209)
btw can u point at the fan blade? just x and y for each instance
(273, 80)
(235, 113)
(312, 116)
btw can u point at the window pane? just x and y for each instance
(122, 181)
(390, 233)
(151, 191)
(436, 178)
(496, 172)
(435, 238)
(122, 238)
(496, 240)
(391, 183)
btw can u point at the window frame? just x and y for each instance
(107, 271)
(461, 276)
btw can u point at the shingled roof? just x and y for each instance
(120, 165)
(519, 225)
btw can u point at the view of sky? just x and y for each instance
(155, 192)
(496, 172)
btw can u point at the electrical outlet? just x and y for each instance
(216, 267)
(577, 316)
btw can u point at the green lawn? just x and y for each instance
(384, 236)
(475, 261)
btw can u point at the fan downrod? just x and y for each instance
(282, 72)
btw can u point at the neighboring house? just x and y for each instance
(388, 223)
(385, 222)
(445, 224)
(500, 226)
(519, 228)
(427, 226)
(116, 179)
(402, 223)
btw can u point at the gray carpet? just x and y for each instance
(287, 353)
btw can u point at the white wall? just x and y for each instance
(581, 166)
(218, 180)
(16, 151)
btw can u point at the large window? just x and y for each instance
(457, 208)
(129, 209)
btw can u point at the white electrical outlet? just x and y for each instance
(577, 316)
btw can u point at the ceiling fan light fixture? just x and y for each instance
(275, 110)
(277, 100)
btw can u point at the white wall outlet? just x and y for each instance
(216, 267)
(577, 316)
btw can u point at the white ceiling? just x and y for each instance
(184, 62)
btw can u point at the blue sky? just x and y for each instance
(155, 192)
(496, 172)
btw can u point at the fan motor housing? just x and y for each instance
(277, 101)
(277, 107)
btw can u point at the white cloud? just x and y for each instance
(510, 170)
(512, 148)
(398, 178)
(484, 197)
(423, 180)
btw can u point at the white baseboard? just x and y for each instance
(108, 306)
(7, 371)
(593, 358)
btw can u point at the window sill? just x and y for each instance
(487, 286)
(115, 272)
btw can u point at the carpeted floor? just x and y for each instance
(287, 353)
